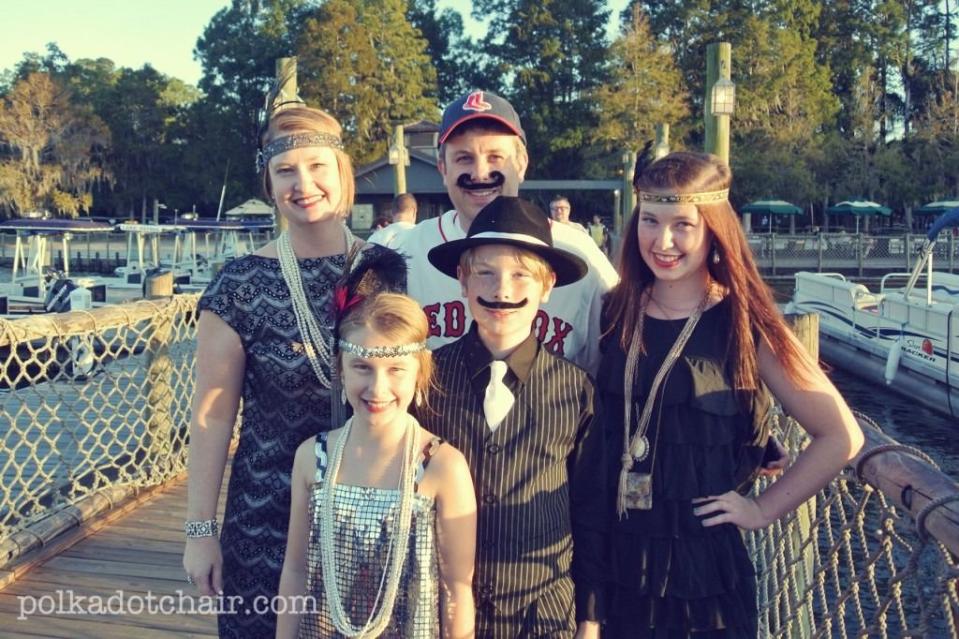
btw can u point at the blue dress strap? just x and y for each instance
(424, 459)
(319, 447)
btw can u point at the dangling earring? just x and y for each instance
(418, 399)
(716, 259)
(342, 395)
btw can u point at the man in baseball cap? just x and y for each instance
(482, 155)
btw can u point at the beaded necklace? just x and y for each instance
(316, 340)
(379, 619)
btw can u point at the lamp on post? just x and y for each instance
(723, 100)
(721, 103)
(399, 158)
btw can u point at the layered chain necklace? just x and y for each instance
(635, 489)
(380, 617)
(316, 342)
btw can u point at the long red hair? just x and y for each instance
(753, 311)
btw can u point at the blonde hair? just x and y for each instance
(540, 268)
(399, 319)
(306, 119)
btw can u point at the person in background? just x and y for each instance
(600, 234)
(560, 210)
(404, 210)
(404, 218)
(693, 344)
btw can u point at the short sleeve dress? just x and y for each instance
(673, 577)
(283, 405)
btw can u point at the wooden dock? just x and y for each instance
(135, 551)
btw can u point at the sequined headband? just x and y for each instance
(688, 198)
(382, 351)
(295, 141)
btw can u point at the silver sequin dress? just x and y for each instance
(364, 524)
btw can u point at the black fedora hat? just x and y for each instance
(515, 222)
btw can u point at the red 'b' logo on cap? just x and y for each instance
(475, 102)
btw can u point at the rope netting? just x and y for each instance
(91, 400)
(848, 563)
(97, 400)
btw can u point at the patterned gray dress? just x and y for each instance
(364, 522)
(283, 405)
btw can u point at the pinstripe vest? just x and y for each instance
(524, 542)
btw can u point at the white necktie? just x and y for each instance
(499, 399)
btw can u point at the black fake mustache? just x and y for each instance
(502, 306)
(496, 179)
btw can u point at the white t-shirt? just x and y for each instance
(567, 325)
(385, 235)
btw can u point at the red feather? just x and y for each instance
(342, 302)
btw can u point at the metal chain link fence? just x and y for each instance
(858, 253)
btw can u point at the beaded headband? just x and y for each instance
(296, 141)
(382, 351)
(690, 198)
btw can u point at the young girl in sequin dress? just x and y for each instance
(383, 515)
(692, 344)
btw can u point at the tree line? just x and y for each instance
(835, 98)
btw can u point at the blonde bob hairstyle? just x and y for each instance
(540, 268)
(399, 319)
(303, 119)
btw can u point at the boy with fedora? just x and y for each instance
(523, 417)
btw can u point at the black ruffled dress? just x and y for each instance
(671, 576)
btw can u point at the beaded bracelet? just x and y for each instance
(206, 528)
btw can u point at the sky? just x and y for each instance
(133, 32)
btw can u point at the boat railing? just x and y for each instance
(893, 276)
(97, 409)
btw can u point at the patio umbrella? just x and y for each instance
(771, 208)
(859, 208)
(935, 208)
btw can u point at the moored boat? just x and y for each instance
(903, 336)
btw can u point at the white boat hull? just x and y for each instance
(859, 330)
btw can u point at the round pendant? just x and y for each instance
(639, 448)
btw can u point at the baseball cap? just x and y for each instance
(477, 105)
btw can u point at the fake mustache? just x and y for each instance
(502, 306)
(496, 180)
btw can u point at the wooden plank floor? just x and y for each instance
(138, 554)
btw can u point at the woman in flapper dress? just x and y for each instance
(264, 336)
(693, 346)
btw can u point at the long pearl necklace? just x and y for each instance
(316, 342)
(379, 619)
